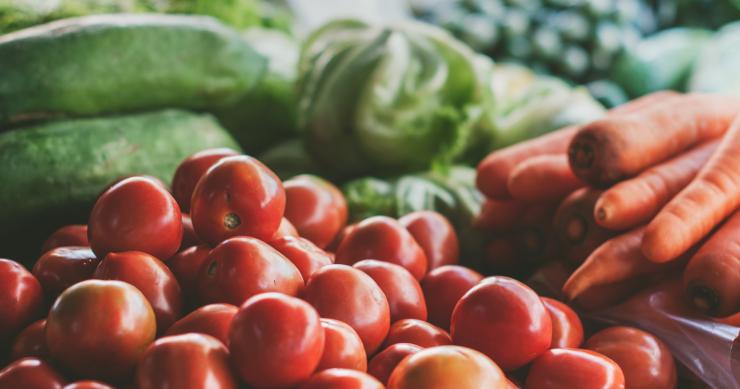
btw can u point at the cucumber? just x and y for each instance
(52, 173)
(107, 64)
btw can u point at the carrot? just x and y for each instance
(712, 277)
(548, 279)
(602, 296)
(533, 233)
(712, 196)
(543, 177)
(635, 201)
(575, 229)
(500, 257)
(499, 216)
(620, 146)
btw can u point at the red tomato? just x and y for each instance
(30, 373)
(276, 341)
(445, 367)
(334, 245)
(342, 347)
(417, 332)
(344, 293)
(444, 286)
(644, 359)
(562, 368)
(191, 170)
(342, 379)
(71, 235)
(384, 362)
(152, 277)
(505, 320)
(188, 233)
(285, 229)
(316, 208)
(435, 235)
(87, 385)
(136, 214)
(99, 329)
(405, 298)
(213, 320)
(384, 239)
(189, 361)
(186, 267)
(21, 299)
(241, 267)
(567, 330)
(31, 342)
(63, 267)
(237, 196)
(306, 256)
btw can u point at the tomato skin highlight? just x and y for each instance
(214, 320)
(191, 170)
(567, 329)
(316, 208)
(21, 299)
(417, 332)
(31, 342)
(445, 286)
(562, 368)
(342, 379)
(30, 373)
(62, 267)
(306, 256)
(435, 235)
(87, 384)
(342, 347)
(70, 235)
(403, 292)
(384, 362)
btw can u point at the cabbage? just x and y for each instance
(716, 69)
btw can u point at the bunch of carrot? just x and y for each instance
(650, 188)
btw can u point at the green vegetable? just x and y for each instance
(121, 63)
(716, 69)
(289, 158)
(237, 13)
(369, 197)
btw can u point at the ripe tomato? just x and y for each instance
(417, 332)
(87, 385)
(191, 170)
(446, 367)
(31, 342)
(435, 235)
(344, 293)
(276, 340)
(562, 368)
(63, 267)
(188, 233)
(567, 330)
(384, 362)
(316, 208)
(30, 373)
(285, 229)
(213, 320)
(136, 213)
(21, 299)
(644, 359)
(99, 329)
(237, 196)
(306, 256)
(342, 347)
(444, 286)
(384, 239)
(334, 245)
(71, 235)
(505, 320)
(405, 298)
(342, 379)
(189, 361)
(151, 276)
(186, 267)
(241, 267)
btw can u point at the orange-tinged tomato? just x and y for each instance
(435, 235)
(21, 299)
(214, 320)
(87, 384)
(316, 208)
(31, 342)
(567, 330)
(342, 379)
(62, 267)
(417, 332)
(405, 298)
(342, 347)
(190, 171)
(71, 235)
(445, 286)
(30, 373)
(306, 256)
(384, 362)
(562, 368)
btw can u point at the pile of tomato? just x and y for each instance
(235, 278)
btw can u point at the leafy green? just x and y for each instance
(716, 69)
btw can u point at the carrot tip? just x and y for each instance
(575, 229)
(600, 214)
(705, 299)
(581, 154)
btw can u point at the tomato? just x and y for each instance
(21, 299)
(99, 329)
(417, 332)
(87, 385)
(444, 286)
(213, 320)
(562, 368)
(306, 256)
(30, 373)
(342, 379)
(189, 361)
(285, 229)
(276, 340)
(152, 277)
(188, 233)
(344, 293)
(186, 267)
(342, 347)
(241, 267)
(334, 245)
(567, 330)
(71, 235)
(405, 298)
(384, 362)
(191, 170)
(136, 214)
(644, 359)
(435, 235)
(31, 342)
(384, 239)
(316, 208)
(444, 367)
(505, 320)
(63, 267)
(237, 196)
